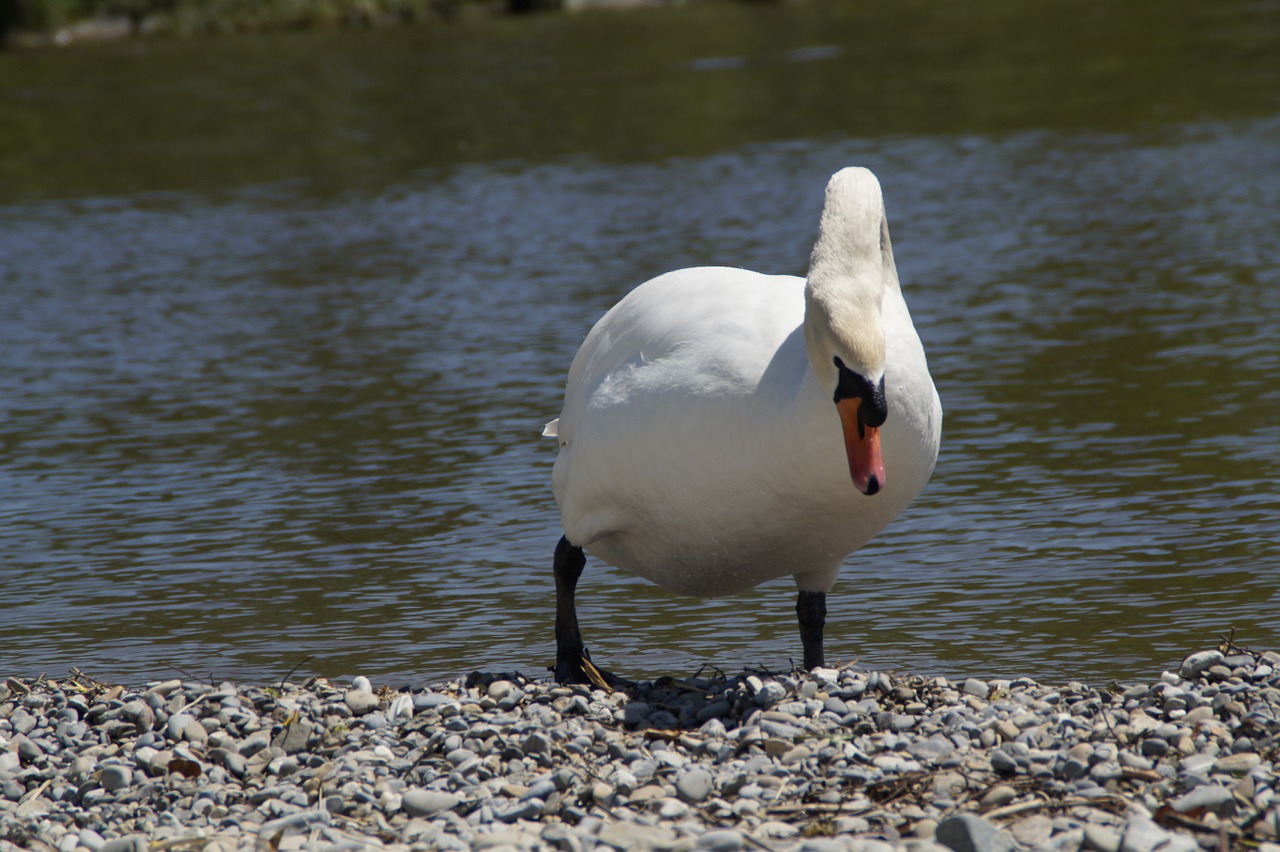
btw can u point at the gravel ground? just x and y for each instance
(832, 759)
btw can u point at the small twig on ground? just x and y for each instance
(1167, 816)
(187, 842)
(82, 682)
(1115, 735)
(31, 794)
(289, 674)
(1227, 644)
(819, 808)
(1049, 804)
(187, 674)
(702, 668)
(193, 702)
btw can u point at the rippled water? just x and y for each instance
(258, 427)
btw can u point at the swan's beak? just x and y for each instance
(862, 445)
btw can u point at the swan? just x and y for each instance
(722, 427)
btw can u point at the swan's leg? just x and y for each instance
(573, 661)
(811, 609)
(569, 562)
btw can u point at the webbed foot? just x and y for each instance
(570, 669)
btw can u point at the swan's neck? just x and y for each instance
(843, 313)
(849, 271)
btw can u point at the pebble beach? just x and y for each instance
(833, 759)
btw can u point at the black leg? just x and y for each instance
(573, 661)
(811, 609)
(569, 563)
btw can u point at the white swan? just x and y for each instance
(699, 444)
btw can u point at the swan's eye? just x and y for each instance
(874, 409)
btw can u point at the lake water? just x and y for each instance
(282, 317)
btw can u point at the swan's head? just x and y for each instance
(851, 266)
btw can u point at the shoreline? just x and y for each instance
(835, 759)
(175, 20)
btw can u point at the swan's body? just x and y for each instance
(699, 444)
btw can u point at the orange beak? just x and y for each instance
(862, 445)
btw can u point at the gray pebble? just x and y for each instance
(255, 743)
(91, 840)
(1207, 797)
(300, 821)
(178, 721)
(115, 777)
(717, 709)
(998, 796)
(1195, 664)
(721, 840)
(128, 843)
(695, 785)
(771, 693)
(630, 836)
(195, 732)
(163, 688)
(492, 763)
(1035, 831)
(22, 721)
(361, 701)
(541, 789)
(826, 844)
(537, 743)
(525, 809)
(140, 712)
(28, 749)
(672, 809)
(1155, 747)
(427, 803)
(1073, 769)
(1001, 761)
(1101, 838)
(1238, 764)
(1142, 835)
(460, 756)
(236, 764)
(293, 737)
(972, 833)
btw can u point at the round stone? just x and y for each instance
(721, 840)
(695, 785)
(115, 777)
(1238, 764)
(427, 803)
(998, 796)
(1211, 797)
(361, 701)
(972, 833)
(1194, 665)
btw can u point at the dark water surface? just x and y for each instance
(281, 319)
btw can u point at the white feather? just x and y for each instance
(699, 444)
